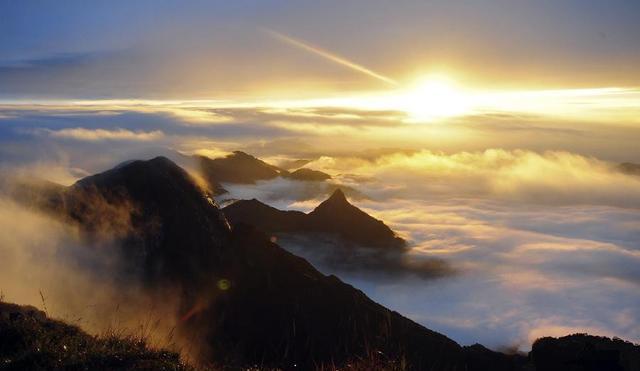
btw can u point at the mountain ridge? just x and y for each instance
(335, 215)
(242, 168)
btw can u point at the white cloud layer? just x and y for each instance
(553, 177)
(94, 135)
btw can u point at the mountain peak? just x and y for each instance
(336, 214)
(142, 196)
(338, 193)
(157, 168)
(336, 203)
(242, 154)
(162, 160)
(238, 167)
(338, 196)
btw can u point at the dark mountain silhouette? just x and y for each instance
(248, 300)
(242, 168)
(581, 352)
(338, 237)
(337, 214)
(629, 168)
(294, 164)
(238, 167)
(264, 217)
(31, 341)
(174, 227)
(333, 216)
(309, 175)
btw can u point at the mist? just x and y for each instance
(54, 266)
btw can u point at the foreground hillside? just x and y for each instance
(31, 341)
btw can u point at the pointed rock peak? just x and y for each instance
(337, 200)
(338, 195)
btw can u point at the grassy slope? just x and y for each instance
(31, 341)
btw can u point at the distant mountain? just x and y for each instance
(242, 168)
(629, 168)
(309, 175)
(264, 217)
(294, 164)
(238, 167)
(246, 300)
(333, 216)
(337, 214)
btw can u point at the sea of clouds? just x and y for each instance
(538, 243)
(531, 228)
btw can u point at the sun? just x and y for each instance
(434, 97)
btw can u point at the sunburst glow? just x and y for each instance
(435, 97)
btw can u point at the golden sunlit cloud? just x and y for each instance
(432, 98)
(93, 135)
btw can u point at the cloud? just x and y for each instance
(332, 255)
(54, 171)
(515, 277)
(553, 177)
(285, 192)
(94, 135)
(310, 132)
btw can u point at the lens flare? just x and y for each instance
(330, 56)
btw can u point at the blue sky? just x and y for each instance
(215, 49)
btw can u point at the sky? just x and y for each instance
(219, 49)
(488, 134)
